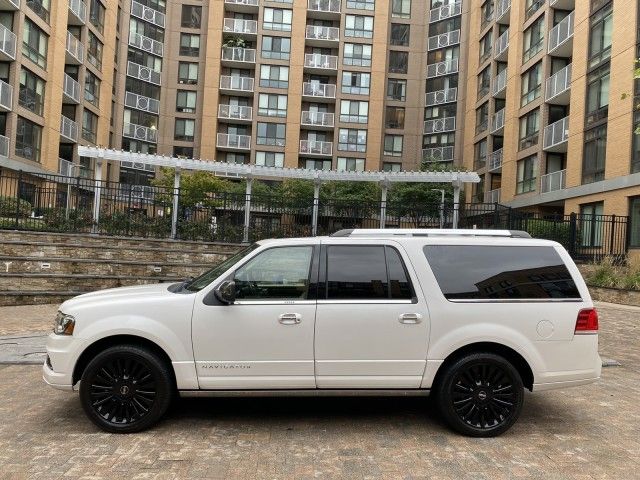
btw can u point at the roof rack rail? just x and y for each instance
(428, 232)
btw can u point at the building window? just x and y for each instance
(186, 101)
(92, 89)
(401, 8)
(393, 145)
(191, 16)
(481, 154)
(396, 89)
(272, 76)
(89, 126)
(486, 46)
(277, 48)
(482, 118)
(398, 62)
(595, 154)
(484, 82)
(232, 157)
(529, 129)
(34, 43)
(391, 167)
(598, 95)
(188, 73)
(600, 36)
(358, 26)
(271, 105)
(183, 152)
(394, 117)
(361, 4)
(591, 224)
(184, 130)
(352, 111)
(346, 164)
(400, 34)
(357, 54)
(356, 83)
(96, 14)
(272, 134)
(634, 225)
(352, 140)
(270, 159)
(189, 45)
(486, 13)
(41, 8)
(277, 19)
(94, 51)
(531, 84)
(32, 90)
(533, 39)
(28, 139)
(311, 164)
(527, 175)
(531, 7)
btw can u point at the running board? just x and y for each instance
(306, 393)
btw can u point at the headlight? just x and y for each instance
(64, 324)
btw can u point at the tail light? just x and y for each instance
(587, 321)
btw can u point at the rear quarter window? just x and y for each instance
(469, 272)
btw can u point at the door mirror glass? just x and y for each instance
(226, 292)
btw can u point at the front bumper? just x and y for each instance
(62, 354)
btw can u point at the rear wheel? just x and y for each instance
(480, 395)
(126, 389)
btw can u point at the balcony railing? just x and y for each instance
(6, 96)
(244, 3)
(226, 140)
(497, 121)
(440, 125)
(492, 196)
(10, 4)
(558, 83)
(556, 134)
(236, 83)
(140, 132)
(499, 83)
(239, 54)
(503, 8)
(444, 12)
(439, 97)
(146, 44)
(7, 43)
(68, 129)
(238, 25)
(79, 10)
(146, 74)
(75, 48)
(324, 6)
(147, 14)
(316, 60)
(446, 67)
(314, 147)
(552, 182)
(71, 89)
(317, 119)
(318, 32)
(320, 90)
(4, 146)
(235, 112)
(561, 33)
(501, 46)
(443, 40)
(140, 102)
(494, 160)
(438, 154)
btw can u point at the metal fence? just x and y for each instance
(67, 204)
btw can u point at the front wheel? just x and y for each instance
(480, 395)
(126, 389)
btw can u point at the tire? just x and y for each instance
(126, 389)
(480, 395)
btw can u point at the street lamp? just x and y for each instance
(441, 205)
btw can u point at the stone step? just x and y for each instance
(10, 299)
(34, 282)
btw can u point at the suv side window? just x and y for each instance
(363, 272)
(280, 273)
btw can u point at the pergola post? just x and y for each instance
(174, 207)
(456, 202)
(384, 186)
(316, 207)
(247, 210)
(97, 192)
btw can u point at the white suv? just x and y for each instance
(472, 317)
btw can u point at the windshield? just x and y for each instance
(206, 278)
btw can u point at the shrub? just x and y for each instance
(56, 219)
(9, 207)
(557, 231)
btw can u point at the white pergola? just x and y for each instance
(251, 172)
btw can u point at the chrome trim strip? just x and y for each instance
(274, 302)
(516, 300)
(364, 302)
(307, 393)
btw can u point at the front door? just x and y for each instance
(265, 339)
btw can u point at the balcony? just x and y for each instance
(142, 103)
(228, 141)
(148, 14)
(503, 11)
(323, 9)
(68, 130)
(563, 4)
(6, 97)
(146, 74)
(313, 147)
(558, 87)
(4, 146)
(499, 87)
(319, 36)
(554, 181)
(440, 69)
(492, 196)
(238, 57)
(235, 113)
(140, 132)
(318, 92)
(244, 6)
(444, 12)
(440, 97)
(322, 64)
(75, 51)
(438, 154)
(440, 125)
(497, 122)
(494, 160)
(240, 27)
(9, 4)
(443, 40)
(501, 47)
(556, 136)
(146, 44)
(317, 120)
(70, 90)
(77, 12)
(7, 44)
(236, 85)
(561, 37)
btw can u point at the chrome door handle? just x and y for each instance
(410, 318)
(290, 318)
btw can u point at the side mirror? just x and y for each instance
(226, 292)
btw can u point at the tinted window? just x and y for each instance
(486, 272)
(399, 283)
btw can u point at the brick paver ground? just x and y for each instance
(590, 432)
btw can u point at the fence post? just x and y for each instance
(247, 210)
(97, 193)
(316, 207)
(612, 220)
(174, 207)
(384, 186)
(456, 202)
(18, 199)
(573, 234)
